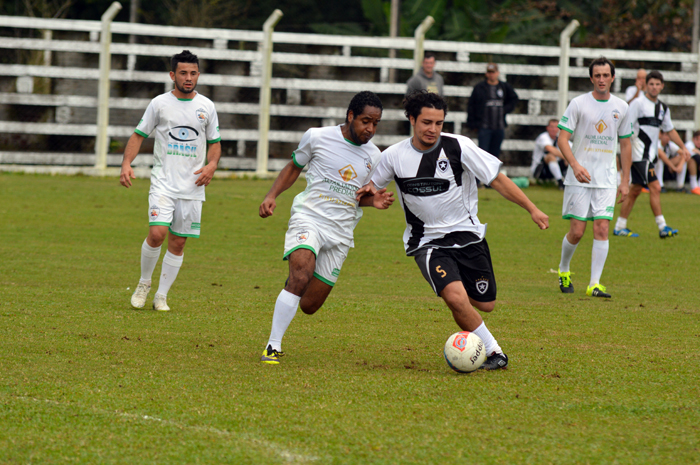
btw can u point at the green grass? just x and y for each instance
(86, 379)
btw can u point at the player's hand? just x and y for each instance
(267, 208)
(383, 199)
(686, 155)
(540, 219)
(581, 174)
(367, 189)
(205, 174)
(622, 191)
(677, 168)
(126, 175)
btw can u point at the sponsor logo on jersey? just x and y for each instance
(616, 115)
(368, 163)
(482, 285)
(424, 187)
(155, 211)
(302, 236)
(600, 126)
(336, 272)
(197, 226)
(564, 119)
(202, 116)
(348, 173)
(184, 133)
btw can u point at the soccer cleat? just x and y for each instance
(645, 190)
(495, 361)
(667, 232)
(624, 233)
(160, 304)
(271, 356)
(138, 298)
(597, 290)
(560, 184)
(695, 191)
(565, 284)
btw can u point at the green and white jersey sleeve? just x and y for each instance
(337, 168)
(183, 128)
(596, 126)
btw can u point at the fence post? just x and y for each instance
(697, 94)
(419, 36)
(564, 43)
(265, 93)
(101, 142)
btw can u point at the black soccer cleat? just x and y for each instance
(495, 361)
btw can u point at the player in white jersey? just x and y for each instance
(670, 163)
(435, 175)
(693, 147)
(340, 160)
(547, 160)
(595, 121)
(648, 114)
(186, 153)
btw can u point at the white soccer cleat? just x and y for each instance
(138, 299)
(160, 304)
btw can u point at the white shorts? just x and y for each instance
(588, 204)
(182, 216)
(330, 252)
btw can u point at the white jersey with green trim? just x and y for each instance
(596, 126)
(337, 169)
(183, 129)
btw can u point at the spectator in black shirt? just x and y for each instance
(488, 105)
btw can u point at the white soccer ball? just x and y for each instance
(465, 352)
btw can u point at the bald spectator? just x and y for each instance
(638, 88)
(426, 78)
(490, 102)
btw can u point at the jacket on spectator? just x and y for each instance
(477, 103)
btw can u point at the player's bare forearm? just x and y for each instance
(580, 173)
(130, 153)
(625, 159)
(284, 181)
(206, 173)
(367, 190)
(507, 188)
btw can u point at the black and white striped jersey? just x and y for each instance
(647, 118)
(437, 190)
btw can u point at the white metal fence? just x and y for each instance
(313, 78)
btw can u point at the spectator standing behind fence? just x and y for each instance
(640, 85)
(490, 102)
(547, 160)
(426, 78)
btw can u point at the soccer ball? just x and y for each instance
(464, 352)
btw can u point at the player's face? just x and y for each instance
(552, 129)
(602, 78)
(664, 138)
(363, 126)
(185, 77)
(654, 88)
(427, 127)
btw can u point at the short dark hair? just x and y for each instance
(553, 120)
(601, 61)
(414, 103)
(655, 75)
(183, 57)
(360, 101)
(696, 133)
(429, 55)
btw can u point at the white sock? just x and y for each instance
(621, 223)
(659, 166)
(660, 222)
(598, 257)
(168, 273)
(489, 342)
(567, 253)
(693, 182)
(555, 170)
(149, 260)
(285, 309)
(680, 177)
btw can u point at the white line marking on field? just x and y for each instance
(285, 454)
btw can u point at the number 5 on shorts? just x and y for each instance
(442, 272)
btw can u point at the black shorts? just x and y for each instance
(471, 265)
(643, 173)
(542, 170)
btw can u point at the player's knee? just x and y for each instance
(485, 306)
(655, 187)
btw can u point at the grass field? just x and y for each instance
(86, 379)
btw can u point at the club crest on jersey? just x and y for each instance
(155, 211)
(616, 115)
(499, 92)
(348, 173)
(442, 164)
(302, 236)
(202, 116)
(368, 163)
(600, 126)
(482, 285)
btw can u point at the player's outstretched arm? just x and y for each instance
(380, 200)
(206, 173)
(132, 149)
(510, 191)
(284, 181)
